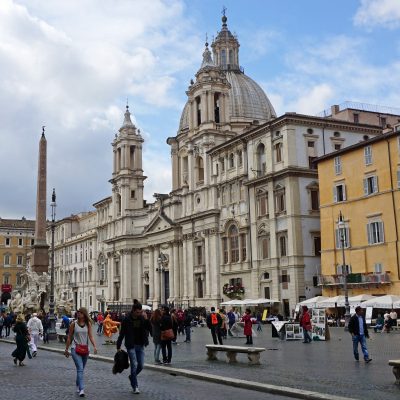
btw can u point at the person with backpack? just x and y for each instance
(214, 323)
(187, 323)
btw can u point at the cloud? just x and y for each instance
(383, 13)
(330, 72)
(72, 71)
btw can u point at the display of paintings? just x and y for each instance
(293, 332)
(318, 322)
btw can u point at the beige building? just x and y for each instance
(16, 239)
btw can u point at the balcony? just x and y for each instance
(355, 280)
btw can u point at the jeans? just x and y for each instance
(136, 359)
(249, 339)
(166, 345)
(8, 328)
(307, 337)
(80, 362)
(157, 349)
(100, 328)
(360, 339)
(188, 330)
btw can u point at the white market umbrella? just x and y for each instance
(386, 301)
(358, 300)
(330, 302)
(313, 302)
(396, 304)
(233, 303)
(260, 301)
(145, 307)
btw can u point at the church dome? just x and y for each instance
(247, 101)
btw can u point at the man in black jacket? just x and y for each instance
(135, 329)
(359, 331)
(214, 323)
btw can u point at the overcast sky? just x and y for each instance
(71, 65)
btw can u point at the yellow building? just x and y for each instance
(361, 182)
(16, 239)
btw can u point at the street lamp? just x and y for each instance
(342, 232)
(52, 319)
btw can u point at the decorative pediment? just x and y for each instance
(159, 223)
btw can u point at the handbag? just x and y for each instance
(82, 349)
(168, 334)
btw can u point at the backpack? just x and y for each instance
(214, 319)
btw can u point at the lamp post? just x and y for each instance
(342, 232)
(52, 318)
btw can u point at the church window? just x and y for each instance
(231, 160)
(261, 160)
(234, 243)
(119, 159)
(222, 164)
(240, 158)
(132, 194)
(243, 246)
(223, 58)
(198, 110)
(7, 259)
(262, 202)
(200, 170)
(280, 200)
(231, 57)
(278, 152)
(282, 245)
(223, 195)
(199, 255)
(131, 157)
(216, 108)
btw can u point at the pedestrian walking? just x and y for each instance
(155, 321)
(2, 319)
(232, 319)
(214, 323)
(100, 320)
(187, 323)
(22, 339)
(305, 323)
(248, 326)
(259, 322)
(167, 335)
(35, 329)
(175, 324)
(135, 329)
(359, 331)
(7, 324)
(46, 326)
(80, 332)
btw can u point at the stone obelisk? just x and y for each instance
(40, 249)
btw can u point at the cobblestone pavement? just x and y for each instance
(52, 376)
(325, 367)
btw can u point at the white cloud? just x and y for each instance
(72, 72)
(384, 13)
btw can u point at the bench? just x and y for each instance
(62, 337)
(253, 353)
(396, 370)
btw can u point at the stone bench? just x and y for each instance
(253, 353)
(62, 337)
(396, 370)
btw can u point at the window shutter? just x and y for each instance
(344, 192)
(398, 178)
(369, 234)
(335, 194)
(375, 181)
(380, 230)
(339, 269)
(347, 237)
(365, 181)
(288, 278)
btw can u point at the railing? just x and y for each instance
(362, 107)
(354, 279)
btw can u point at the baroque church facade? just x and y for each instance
(243, 210)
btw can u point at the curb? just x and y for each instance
(239, 383)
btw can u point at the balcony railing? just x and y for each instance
(354, 279)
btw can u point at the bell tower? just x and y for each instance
(127, 178)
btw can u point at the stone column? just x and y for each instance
(151, 273)
(157, 294)
(208, 258)
(191, 172)
(139, 274)
(171, 267)
(175, 169)
(214, 267)
(126, 282)
(110, 278)
(115, 161)
(176, 271)
(127, 157)
(190, 272)
(123, 157)
(184, 269)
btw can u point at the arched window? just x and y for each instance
(223, 58)
(278, 152)
(231, 160)
(199, 287)
(234, 243)
(216, 108)
(200, 170)
(198, 110)
(261, 160)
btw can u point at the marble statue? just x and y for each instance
(16, 303)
